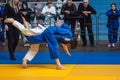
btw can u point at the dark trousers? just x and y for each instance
(72, 23)
(83, 34)
(13, 38)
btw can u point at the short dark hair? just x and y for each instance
(114, 4)
(62, 40)
(49, 2)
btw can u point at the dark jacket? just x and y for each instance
(28, 10)
(28, 15)
(113, 18)
(10, 13)
(81, 8)
(72, 10)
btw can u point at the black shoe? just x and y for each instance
(13, 58)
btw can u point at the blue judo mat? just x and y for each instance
(76, 58)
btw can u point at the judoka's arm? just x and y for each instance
(15, 23)
(26, 24)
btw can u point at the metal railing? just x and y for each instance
(97, 23)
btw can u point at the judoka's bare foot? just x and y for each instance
(60, 67)
(24, 63)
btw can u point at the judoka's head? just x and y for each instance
(59, 23)
(64, 41)
(73, 42)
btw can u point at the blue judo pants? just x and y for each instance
(112, 34)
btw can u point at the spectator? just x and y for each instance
(12, 11)
(26, 13)
(49, 12)
(113, 24)
(85, 10)
(68, 10)
(59, 4)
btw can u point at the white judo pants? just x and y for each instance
(34, 48)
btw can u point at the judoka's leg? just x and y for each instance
(23, 29)
(53, 48)
(34, 48)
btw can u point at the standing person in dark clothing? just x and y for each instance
(68, 10)
(12, 11)
(26, 13)
(85, 10)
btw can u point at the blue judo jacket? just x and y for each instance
(58, 32)
(113, 18)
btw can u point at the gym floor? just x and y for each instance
(73, 71)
